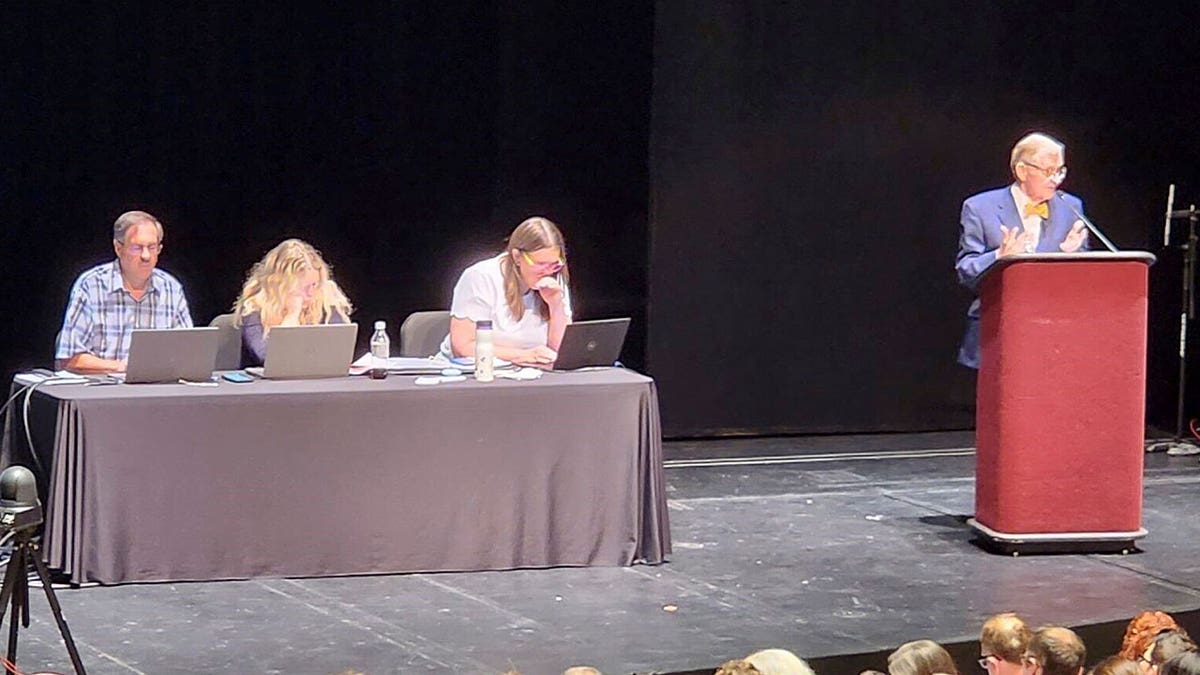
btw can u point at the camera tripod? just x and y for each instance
(14, 596)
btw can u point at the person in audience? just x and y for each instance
(1002, 643)
(778, 662)
(290, 286)
(1187, 663)
(523, 292)
(1142, 630)
(1029, 215)
(921, 657)
(582, 670)
(109, 300)
(1054, 650)
(1165, 647)
(1116, 665)
(737, 667)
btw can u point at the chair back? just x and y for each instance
(229, 349)
(422, 333)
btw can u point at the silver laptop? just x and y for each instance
(172, 354)
(300, 352)
(591, 343)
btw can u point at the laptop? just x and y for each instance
(172, 354)
(591, 343)
(303, 352)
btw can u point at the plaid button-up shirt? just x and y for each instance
(101, 314)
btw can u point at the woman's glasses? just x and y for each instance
(544, 267)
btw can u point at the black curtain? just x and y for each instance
(808, 163)
(404, 140)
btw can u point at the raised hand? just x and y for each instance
(1015, 240)
(1075, 238)
(550, 290)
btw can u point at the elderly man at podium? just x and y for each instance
(1028, 216)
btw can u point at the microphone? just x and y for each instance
(1092, 228)
(1167, 225)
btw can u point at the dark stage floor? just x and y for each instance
(819, 554)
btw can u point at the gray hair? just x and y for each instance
(131, 218)
(1030, 145)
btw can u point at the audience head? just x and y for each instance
(291, 275)
(736, 667)
(582, 670)
(778, 662)
(1054, 650)
(137, 240)
(1037, 165)
(1002, 643)
(1186, 663)
(1142, 630)
(1116, 665)
(1163, 648)
(922, 657)
(536, 249)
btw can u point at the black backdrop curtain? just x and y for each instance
(404, 140)
(808, 162)
(776, 184)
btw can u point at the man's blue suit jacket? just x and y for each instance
(980, 236)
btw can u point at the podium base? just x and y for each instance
(1055, 542)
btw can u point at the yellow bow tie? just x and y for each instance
(1042, 210)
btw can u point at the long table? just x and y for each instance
(347, 476)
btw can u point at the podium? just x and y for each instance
(1060, 402)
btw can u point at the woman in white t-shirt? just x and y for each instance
(522, 291)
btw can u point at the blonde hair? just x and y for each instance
(1031, 145)
(533, 234)
(268, 282)
(737, 667)
(778, 662)
(921, 657)
(1005, 636)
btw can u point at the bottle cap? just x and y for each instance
(483, 325)
(380, 325)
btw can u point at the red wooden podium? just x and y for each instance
(1060, 404)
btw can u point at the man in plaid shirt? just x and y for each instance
(109, 300)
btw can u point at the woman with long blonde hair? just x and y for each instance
(523, 292)
(290, 286)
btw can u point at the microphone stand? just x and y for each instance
(1178, 445)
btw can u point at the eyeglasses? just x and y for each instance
(136, 249)
(547, 267)
(1057, 175)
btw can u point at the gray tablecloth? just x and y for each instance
(352, 476)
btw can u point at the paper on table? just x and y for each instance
(59, 377)
(414, 365)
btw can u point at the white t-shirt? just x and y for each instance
(479, 296)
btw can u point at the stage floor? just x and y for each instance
(817, 551)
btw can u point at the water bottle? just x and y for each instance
(381, 349)
(485, 354)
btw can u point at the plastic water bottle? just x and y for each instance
(485, 354)
(381, 349)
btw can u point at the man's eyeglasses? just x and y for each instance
(136, 249)
(547, 267)
(1057, 175)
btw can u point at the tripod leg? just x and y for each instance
(18, 570)
(56, 609)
